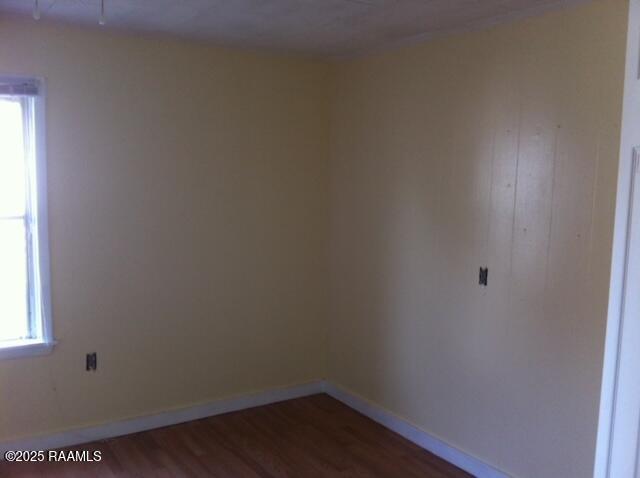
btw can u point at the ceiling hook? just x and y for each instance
(102, 20)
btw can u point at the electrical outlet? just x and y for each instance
(484, 276)
(92, 362)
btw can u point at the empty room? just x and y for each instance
(320, 238)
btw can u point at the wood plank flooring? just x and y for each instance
(310, 437)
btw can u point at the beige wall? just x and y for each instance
(494, 148)
(187, 209)
(189, 192)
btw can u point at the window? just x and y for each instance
(25, 317)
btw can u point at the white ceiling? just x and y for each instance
(326, 27)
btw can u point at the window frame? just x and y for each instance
(37, 227)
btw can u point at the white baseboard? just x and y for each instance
(172, 417)
(462, 460)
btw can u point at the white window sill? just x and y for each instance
(25, 348)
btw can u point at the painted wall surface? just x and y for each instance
(495, 148)
(189, 193)
(187, 206)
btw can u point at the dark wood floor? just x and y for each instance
(309, 437)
